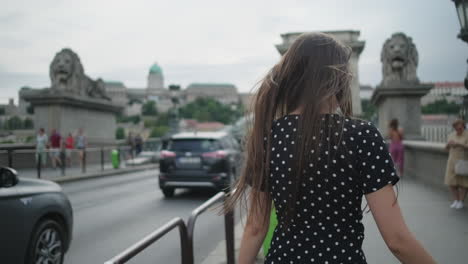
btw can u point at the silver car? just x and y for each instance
(36, 220)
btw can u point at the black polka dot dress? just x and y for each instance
(327, 224)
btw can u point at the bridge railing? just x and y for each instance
(147, 241)
(50, 163)
(186, 235)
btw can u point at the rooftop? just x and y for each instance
(448, 84)
(201, 135)
(114, 83)
(218, 85)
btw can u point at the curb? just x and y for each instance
(104, 173)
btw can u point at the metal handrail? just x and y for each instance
(228, 226)
(186, 235)
(136, 248)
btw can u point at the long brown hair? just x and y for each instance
(313, 73)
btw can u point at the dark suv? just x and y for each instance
(198, 159)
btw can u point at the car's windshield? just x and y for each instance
(195, 145)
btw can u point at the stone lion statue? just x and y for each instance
(67, 76)
(399, 60)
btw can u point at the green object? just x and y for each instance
(115, 158)
(155, 68)
(271, 230)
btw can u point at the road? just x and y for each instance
(111, 213)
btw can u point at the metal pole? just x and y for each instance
(10, 158)
(62, 160)
(229, 230)
(102, 158)
(83, 164)
(118, 155)
(39, 164)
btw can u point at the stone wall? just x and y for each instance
(426, 161)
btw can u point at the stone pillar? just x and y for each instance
(74, 101)
(347, 37)
(399, 94)
(402, 102)
(68, 113)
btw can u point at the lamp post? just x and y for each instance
(174, 111)
(462, 11)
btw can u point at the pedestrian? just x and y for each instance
(397, 150)
(55, 143)
(315, 163)
(458, 150)
(81, 144)
(131, 145)
(69, 145)
(138, 144)
(41, 146)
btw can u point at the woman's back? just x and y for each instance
(326, 225)
(395, 135)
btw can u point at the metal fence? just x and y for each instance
(186, 235)
(435, 133)
(71, 162)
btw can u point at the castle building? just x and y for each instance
(133, 98)
(155, 77)
(450, 91)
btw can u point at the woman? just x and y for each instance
(41, 146)
(69, 145)
(396, 145)
(457, 146)
(81, 143)
(316, 165)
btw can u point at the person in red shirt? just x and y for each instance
(69, 145)
(55, 142)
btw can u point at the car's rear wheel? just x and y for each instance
(47, 245)
(168, 192)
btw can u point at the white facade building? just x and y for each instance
(451, 91)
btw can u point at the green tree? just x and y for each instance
(441, 107)
(28, 123)
(13, 123)
(2, 111)
(159, 131)
(149, 108)
(120, 133)
(208, 109)
(368, 109)
(163, 120)
(125, 119)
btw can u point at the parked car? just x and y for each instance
(36, 220)
(144, 157)
(198, 159)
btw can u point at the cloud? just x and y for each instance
(219, 41)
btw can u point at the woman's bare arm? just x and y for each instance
(254, 234)
(392, 227)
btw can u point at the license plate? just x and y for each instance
(189, 160)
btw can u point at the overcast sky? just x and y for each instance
(212, 41)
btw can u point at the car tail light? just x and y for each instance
(167, 154)
(220, 154)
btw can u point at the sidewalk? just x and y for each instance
(218, 255)
(442, 231)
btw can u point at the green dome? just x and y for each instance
(155, 69)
